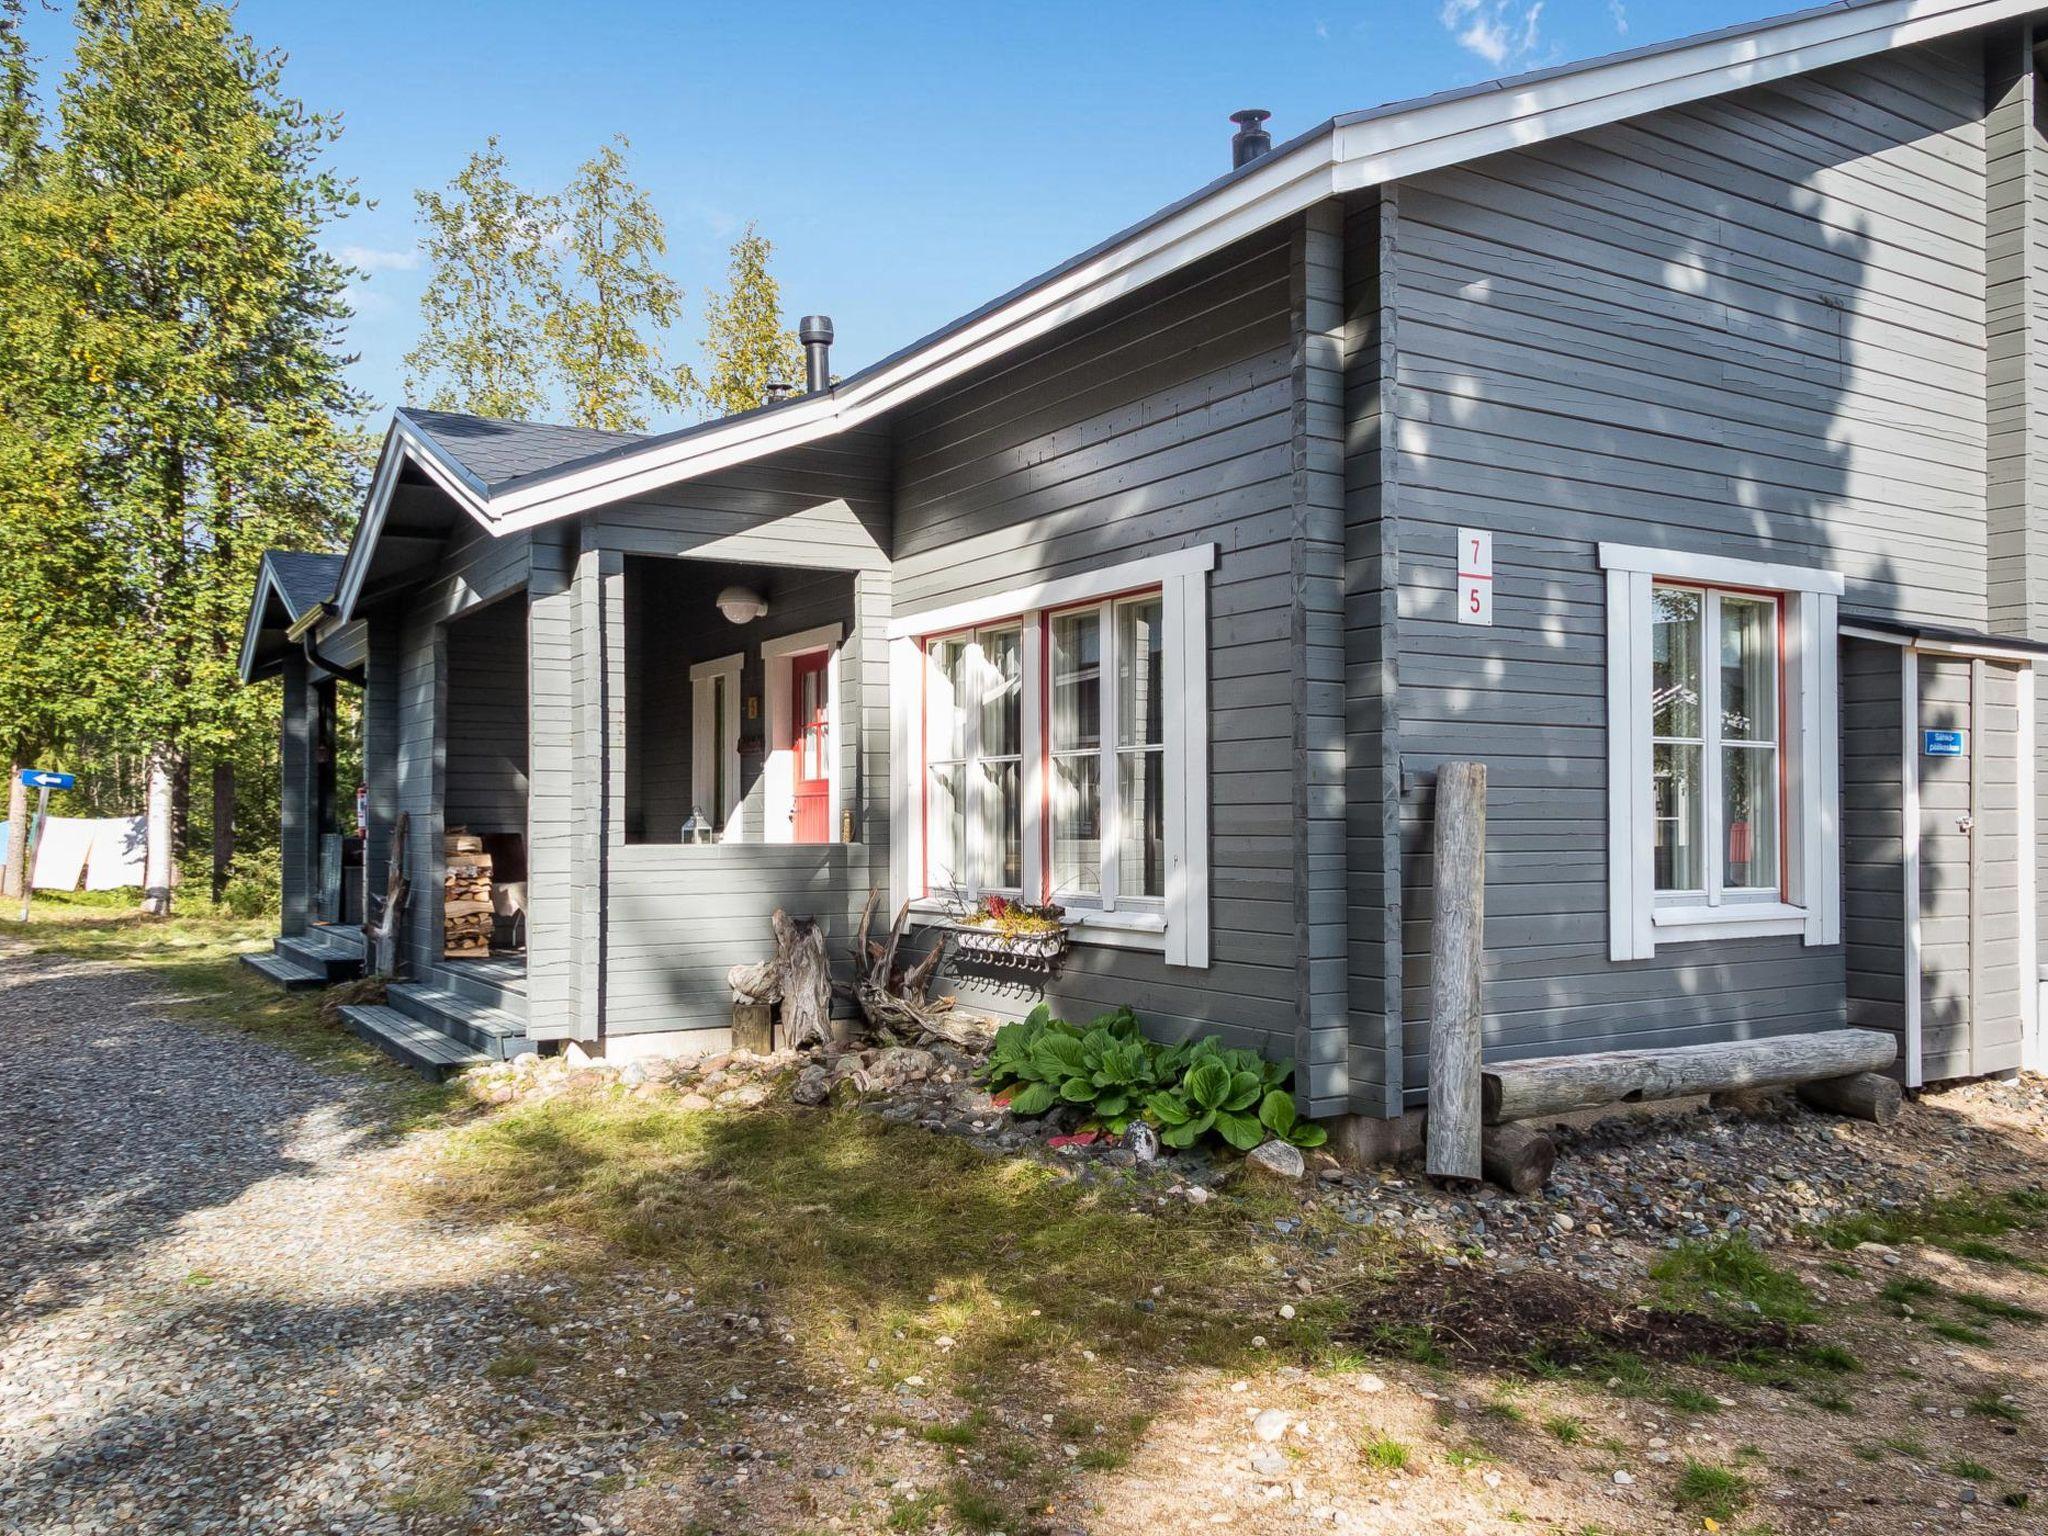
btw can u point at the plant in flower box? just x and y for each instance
(998, 929)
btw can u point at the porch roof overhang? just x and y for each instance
(1944, 637)
(292, 588)
(1346, 154)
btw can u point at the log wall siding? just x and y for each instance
(1323, 1025)
(298, 794)
(1873, 867)
(675, 917)
(486, 783)
(1372, 735)
(1166, 421)
(552, 893)
(1754, 327)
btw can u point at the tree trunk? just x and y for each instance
(181, 813)
(1457, 938)
(806, 981)
(223, 827)
(14, 879)
(1861, 1095)
(156, 865)
(1557, 1085)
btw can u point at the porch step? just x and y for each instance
(289, 974)
(316, 952)
(497, 1032)
(403, 1038)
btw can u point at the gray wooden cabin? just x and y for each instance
(1709, 377)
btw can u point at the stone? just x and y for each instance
(1371, 1383)
(1622, 1479)
(900, 1064)
(813, 1086)
(1142, 1142)
(1277, 1159)
(1270, 1425)
(693, 1101)
(1269, 1464)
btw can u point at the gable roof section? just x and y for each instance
(289, 585)
(1345, 154)
(494, 454)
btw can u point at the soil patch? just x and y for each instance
(1533, 1321)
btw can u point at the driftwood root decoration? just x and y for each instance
(383, 934)
(893, 998)
(806, 980)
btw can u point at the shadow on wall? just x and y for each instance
(1702, 355)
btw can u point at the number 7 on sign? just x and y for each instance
(1475, 576)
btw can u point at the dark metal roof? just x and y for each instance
(303, 579)
(495, 453)
(1946, 634)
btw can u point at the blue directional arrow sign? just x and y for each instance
(47, 778)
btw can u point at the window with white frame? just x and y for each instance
(715, 745)
(1060, 751)
(1722, 750)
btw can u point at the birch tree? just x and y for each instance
(482, 348)
(610, 305)
(746, 345)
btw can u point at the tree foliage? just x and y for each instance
(481, 349)
(610, 305)
(746, 345)
(173, 344)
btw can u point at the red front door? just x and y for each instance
(811, 742)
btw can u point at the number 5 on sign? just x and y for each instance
(1475, 576)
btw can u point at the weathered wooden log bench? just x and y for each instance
(1834, 1069)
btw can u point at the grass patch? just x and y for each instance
(1955, 1332)
(1905, 1445)
(976, 1510)
(1961, 1224)
(1691, 1400)
(918, 1514)
(1384, 1455)
(1907, 1291)
(1713, 1492)
(514, 1365)
(1731, 1275)
(1994, 1306)
(1974, 1471)
(1830, 1357)
(1566, 1429)
(1832, 1402)
(1990, 1405)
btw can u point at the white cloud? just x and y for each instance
(1620, 14)
(368, 259)
(1501, 32)
(1323, 31)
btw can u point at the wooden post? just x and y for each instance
(1517, 1157)
(806, 981)
(1457, 940)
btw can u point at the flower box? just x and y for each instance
(995, 947)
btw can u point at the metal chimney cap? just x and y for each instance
(1251, 140)
(814, 328)
(1250, 117)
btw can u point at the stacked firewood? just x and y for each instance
(465, 895)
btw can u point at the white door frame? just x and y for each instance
(728, 817)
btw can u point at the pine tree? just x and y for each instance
(610, 304)
(746, 343)
(483, 349)
(197, 341)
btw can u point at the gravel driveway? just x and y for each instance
(213, 1315)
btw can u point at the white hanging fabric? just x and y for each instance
(116, 860)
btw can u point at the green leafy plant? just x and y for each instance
(1276, 1114)
(1211, 1096)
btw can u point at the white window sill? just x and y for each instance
(1105, 930)
(1731, 920)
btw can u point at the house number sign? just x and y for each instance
(1475, 576)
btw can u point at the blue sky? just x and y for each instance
(909, 160)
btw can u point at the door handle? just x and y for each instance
(1966, 823)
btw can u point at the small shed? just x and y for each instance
(1938, 859)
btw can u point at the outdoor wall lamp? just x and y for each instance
(742, 605)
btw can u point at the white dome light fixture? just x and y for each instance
(742, 605)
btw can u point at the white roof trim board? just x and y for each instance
(1346, 154)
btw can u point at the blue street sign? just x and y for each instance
(47, 778)
(1941, 743)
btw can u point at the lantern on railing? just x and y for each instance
(698, 829)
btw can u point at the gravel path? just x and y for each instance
(213, 1316)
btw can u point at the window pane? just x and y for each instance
(1141, 800)
(1749, 666)
(945, 825)
(1140, 678)
(721, 733)
(1675, 662)
(1749, 812)
(1076, 826)
(946, 700)
(1675, 777)
(1002, 693)
(1002, 832)
(1076, 681)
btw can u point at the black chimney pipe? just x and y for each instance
(1251, 139)
(815, 332)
